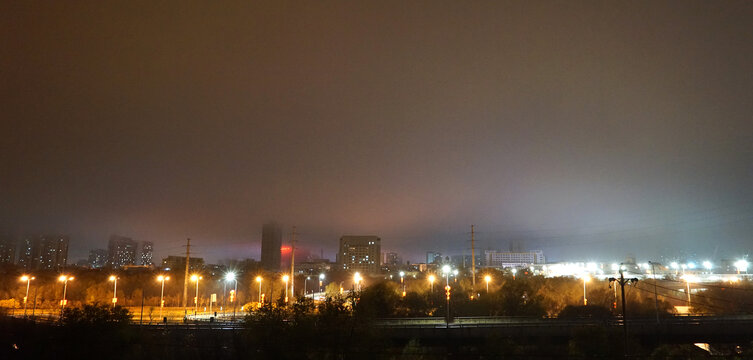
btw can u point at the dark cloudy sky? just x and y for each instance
(589, 129)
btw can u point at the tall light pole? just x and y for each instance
(285, 279)
(586, 279)
(487, 278)
(514, 271)
(258, 279)
(431, 282)
(321, 281)
(114, 279)
(28, 280)
(357, 281)
(656, 292)
(402, 281)
(195, 278)
(162, 279)
(446, 269)
(687, 279)
(64, 279)
(231, 277)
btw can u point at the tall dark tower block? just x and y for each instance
(271, 242)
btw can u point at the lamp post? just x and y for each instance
(455, 272)
(114, 279)
(357, 281)
(321, 281)
(402, 281)
(514, 271)
(195, 278)
(231, 277)
(431, 282)
(446, 271)
(487, 278)
(285, 279)
(64, 279)
(28, 280)
(258, 279)
(687, 279)
(162, 279)
(586, 279)
(306, 286)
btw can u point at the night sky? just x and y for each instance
(592, 130)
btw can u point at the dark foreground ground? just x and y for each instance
(22, 339)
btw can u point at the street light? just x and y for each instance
(586, 279)
(258, 279)
(114, 279)
(162, 279)
(306, 286)
(741, 265)
(28, 280)
(455, 272)
(688, 279)
(195, 278)
(402, 281)
(446, 269)
(231, 277)
(64, 279)
(487, 278)
(431, 281)
(285, 279)
(357, 281)
(514, 271)
(708, 265)
(321, 281)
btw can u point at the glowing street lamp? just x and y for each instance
(514, 271)
(162, 279)
(688, 279)
(741, 265)
(402, 281)
(64, 279)
(357, 281)
(114, 279)
(708, 265)
(455, 272)
(432, 278)
(586, 279)
(446, 269)
(195, 278)
(231, 277)
(28, 280)
(321, 281)
(285, 279)
(488, 279)
(258, 279)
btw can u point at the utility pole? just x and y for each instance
(185, 278)
(622, 281)
(656, 293)
(292, 264)
(473, 262)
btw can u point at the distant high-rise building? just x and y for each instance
(271, 243)
(30, 254)
(121, 251)
(432, 256)
(49, 252)
(98, 258)
(146, 253)
(7, 250)
(391, 258)
(360, 253)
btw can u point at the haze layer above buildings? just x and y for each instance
(585, 131)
